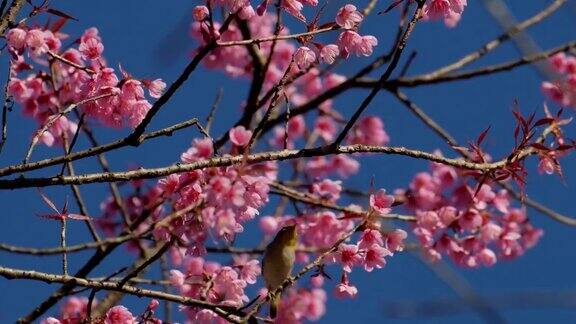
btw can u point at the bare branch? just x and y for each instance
(9, 273)
(254, 158)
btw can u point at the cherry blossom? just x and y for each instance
(486, 228)
(563, 90)
(304, 57)
(347, 17)
(240, 136)
(381, 202)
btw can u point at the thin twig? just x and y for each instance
(210, 117)
(303, 197)
(63, 245)
(57, 116)
(68, 62)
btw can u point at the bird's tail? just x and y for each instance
(274, 301)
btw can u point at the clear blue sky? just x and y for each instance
(149, 38)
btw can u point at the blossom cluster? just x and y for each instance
(46, 78)
(213, 282)
(226, 197)
(236, 60)
(563, 90)
(473, 226)
(261, 23)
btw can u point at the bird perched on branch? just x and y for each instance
(278, 261)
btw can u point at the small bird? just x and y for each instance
(278, 261)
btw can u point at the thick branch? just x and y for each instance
(250, 159)
(9, 273)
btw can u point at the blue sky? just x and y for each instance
(149, 38)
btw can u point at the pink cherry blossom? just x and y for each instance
(487, 257)
(329, 52)
(369, 131)
(155, 87)
(326, 128)
(351, 42)
(348, 256)
(370, 237)
(269, 224)
(293, 7)
(249, 269)
(327, 189)
(344, 165)
(395, 240)
(348, 17)
(177, 278)
(546, 165)
(304, 57)
(119, 315)
(558, 62)
(344, 289)
(449, 10)
(380, 202)
(16, 38)
(490, 232)
(240, 136)
(374, 257)
(36, 41)
(485, 224)
(365, 46)
(91, 48)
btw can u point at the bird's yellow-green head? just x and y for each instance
(287, 236)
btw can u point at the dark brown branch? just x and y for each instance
(399, 49)
(496, 42)
(6, 106)
(492, 69)
(168, 131)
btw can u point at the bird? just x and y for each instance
(277, 263)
